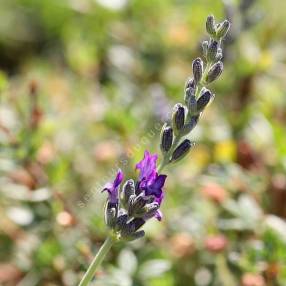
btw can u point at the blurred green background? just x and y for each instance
(84, 87)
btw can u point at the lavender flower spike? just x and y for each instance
(140, 199)
(112, 188)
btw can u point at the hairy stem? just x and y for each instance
(96, 261)
(166, 159)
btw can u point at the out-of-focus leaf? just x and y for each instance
(21, 192)
(6, 165)
(249, 208)
(116, 277)
(225, 276)
(154, 268)
(245, 209)
(20, 215)
(127, 261)
(47, 252)
(277, 224)
(203, 276)
(232, 224)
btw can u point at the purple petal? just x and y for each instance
(160, 198)
(147, 166)
(158, 215)
(159, 182)
(151, 191)
(107, 187)
(112, 188)
(118, 179)
(112, 193)
(155, 188)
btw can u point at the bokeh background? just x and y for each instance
(84, 87)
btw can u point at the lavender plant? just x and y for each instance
(128, 209)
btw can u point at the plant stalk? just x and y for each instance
(96, 261)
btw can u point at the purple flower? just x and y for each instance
(155, 188)
(112, 187)
(147, 167)
(149, 180)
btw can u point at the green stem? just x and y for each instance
(162, 165)
(96, 261)
(166, 159)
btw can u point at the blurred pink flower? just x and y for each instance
(216, 243)
(214, 192)
(251, 279)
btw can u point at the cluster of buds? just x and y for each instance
(127, 209)
(174, 144)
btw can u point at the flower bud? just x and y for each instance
(136, 235)
(137, 223)
(140, 202)
(198, 67)
(192, 104)
(190, 90)
(191, 124)
(212, 51)
(127, 191)
(204, 99)
(210, 25)
(128, 229)
(205, 45)
(121, 221)
(110, 214)
(190, 83)
(136, 206)
(219, 55)
(223, 29)
(166, 138)
(150, 210)
(214, 72)
(182, 150)
(178, 117)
